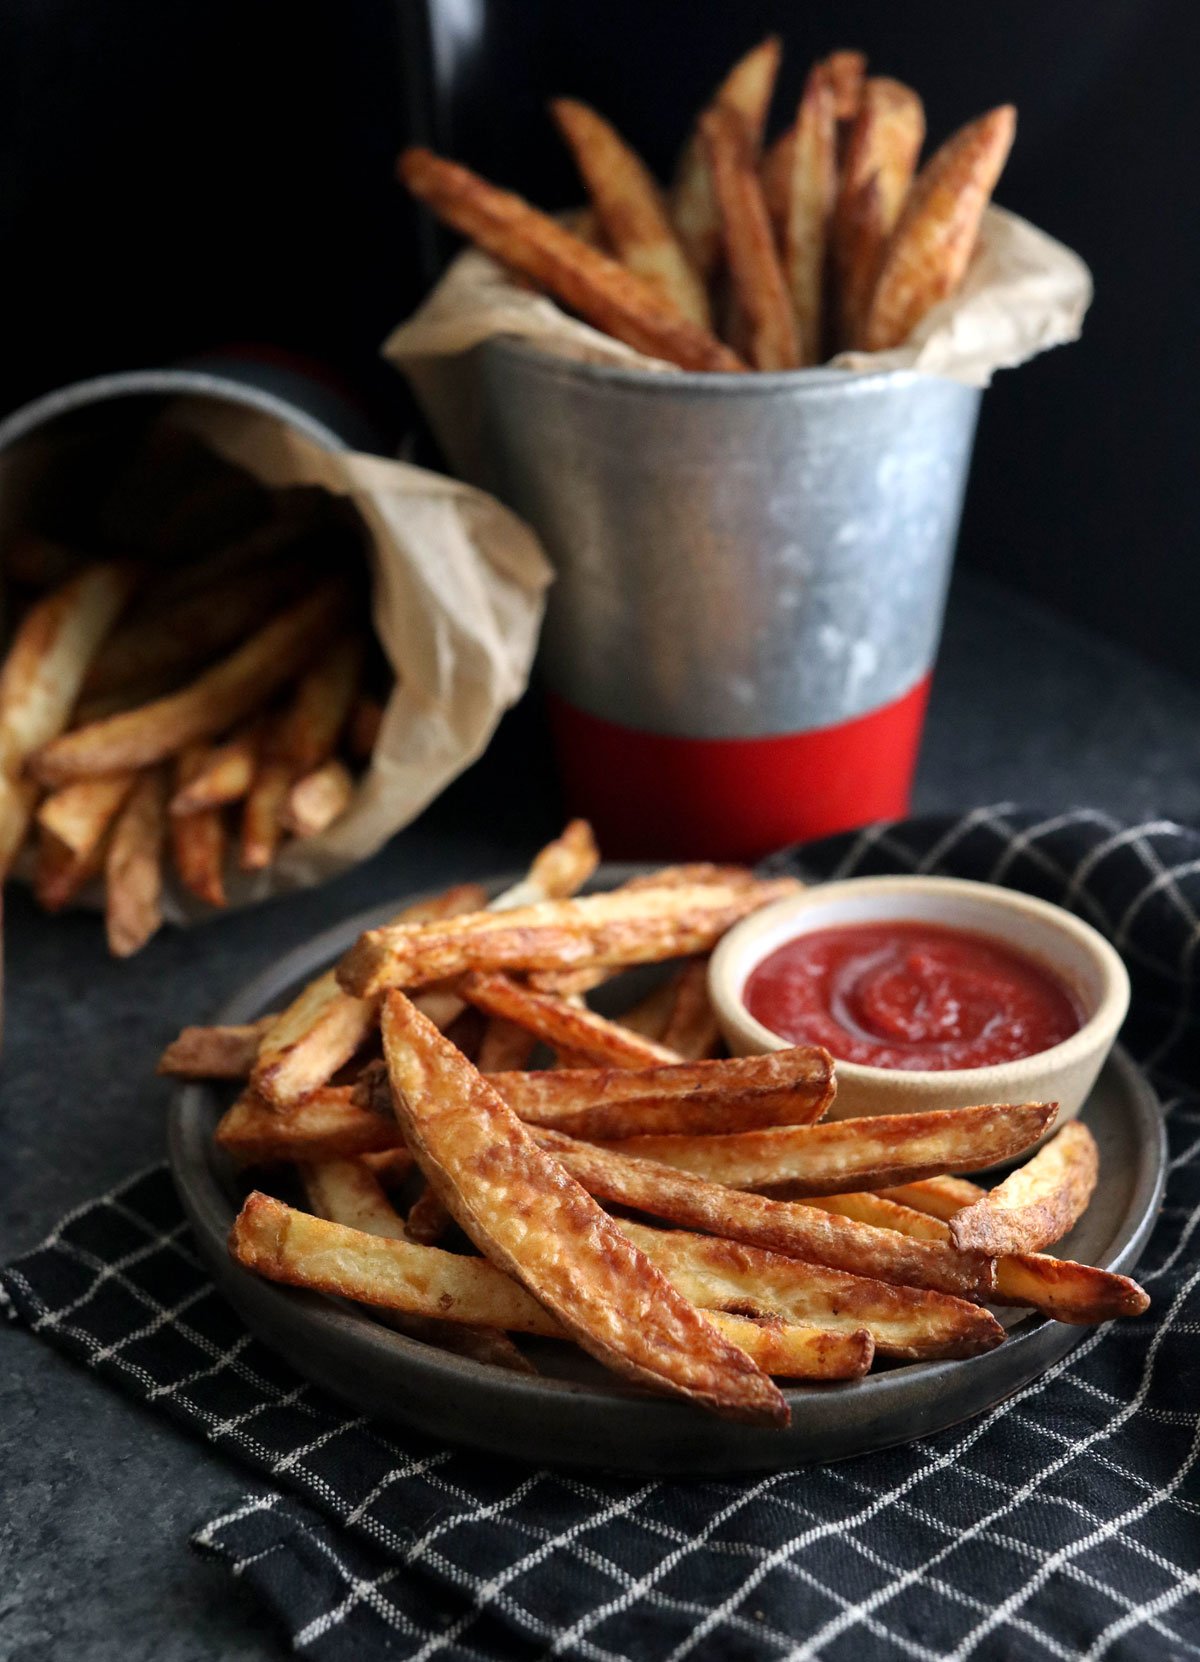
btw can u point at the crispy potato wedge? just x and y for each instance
(881, 157)
(261, 829)
(222, 1052)
(282, 1244)
(214, 702)
(133, 866)
(625, 926)
(348, 1192)
(390, 1165)
(323, 1026)
(78, 815)
(746, 90)
(318, 799)
(753, 260)
(322, 701)
(810, 189)
(788, 1227)
(327, 1125)
(227, 773)
(928, 253)
(533, 1221)
(1038, 1203)
(783, 1087)
(847, 70)
(561, 1024)
(557, 871)
(198, 841)
(630, 208)
(1058, 1287)
(904, 1322)
(504, 1047)
(691, 1028)
(865, 1153)
(601, 290)
(428, 1220)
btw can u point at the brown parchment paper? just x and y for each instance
(1024, 292)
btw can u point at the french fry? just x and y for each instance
(318, 799)
(390, 1165)
(347, 1192)
(428, 1220)
(746, 91)
(1069, 1292)
(1036, 1204)
(757, 276)
(133, 867)
(40, 679)
(561, 1024)
(621, 927)
(630, 209)
(808, 195)
(904, 1322)
(650, 1015)
(846, 71)
(198, 840)
(323, 1026)
(783, 1087)
(226, 775)
(602, 291)
(855, 1153)
(557, 871)
(59, 876)
(327, 1125)
(262, 814)
(532, 1221)
(928, 252)
(362, 730)
(692, 1030)
(321, 704)
(214, 702)
(224, 1052)
(79, 814)
(883, 147)
(785, 1226)
(504, 1047)
(300, 1250)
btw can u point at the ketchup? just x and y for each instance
(911, 995)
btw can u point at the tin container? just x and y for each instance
(751, 576)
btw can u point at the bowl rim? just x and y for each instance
(1099, 1028)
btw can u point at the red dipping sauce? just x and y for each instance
(911, 996)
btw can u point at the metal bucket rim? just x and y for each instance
(816, 382)
(100, 389)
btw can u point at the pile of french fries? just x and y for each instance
(190, 713)
(763, 258)
(688, 1219)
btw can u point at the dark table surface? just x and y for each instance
(99, 1497)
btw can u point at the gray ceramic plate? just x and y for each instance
(571, 1413)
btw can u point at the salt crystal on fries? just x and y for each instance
(519, 1206)
(1036, 1204)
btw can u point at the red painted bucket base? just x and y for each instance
(652, 796)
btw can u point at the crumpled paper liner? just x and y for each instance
(1024, 292)
(457, 594)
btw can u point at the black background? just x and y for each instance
(200, 173)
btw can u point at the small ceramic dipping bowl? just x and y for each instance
(1068, 948)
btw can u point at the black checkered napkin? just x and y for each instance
(1065, 1523)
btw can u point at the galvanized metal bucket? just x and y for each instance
(751, 574)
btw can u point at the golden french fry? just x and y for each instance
(800, 187)
(348, 1192)
(428, 1220)
(513, 1201)
(318, 799)
(855, 1153)
(625, 926)
(785, 1226)
(602, 291)
(1058, 1287)
(327, 1125)
(390, 1165)
(783, 1087)
(904, 1322)
(630, 209)
(750, 251)
(79, 814)
(133, 867)
(321, 704)
(227, 773)
(504, 1047)
(1039, 1202)
(60, 876)
(299, 1250)
(846, 71)
(691, 1029)
(561, 1024)
(362, 730)
(225, 1052)
(220, 697)
(928, 252)
(198, 840)
(881, 157)
(323, 1026)
(17, 800)
(557, 871)
(262, 813)
(746, 91)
